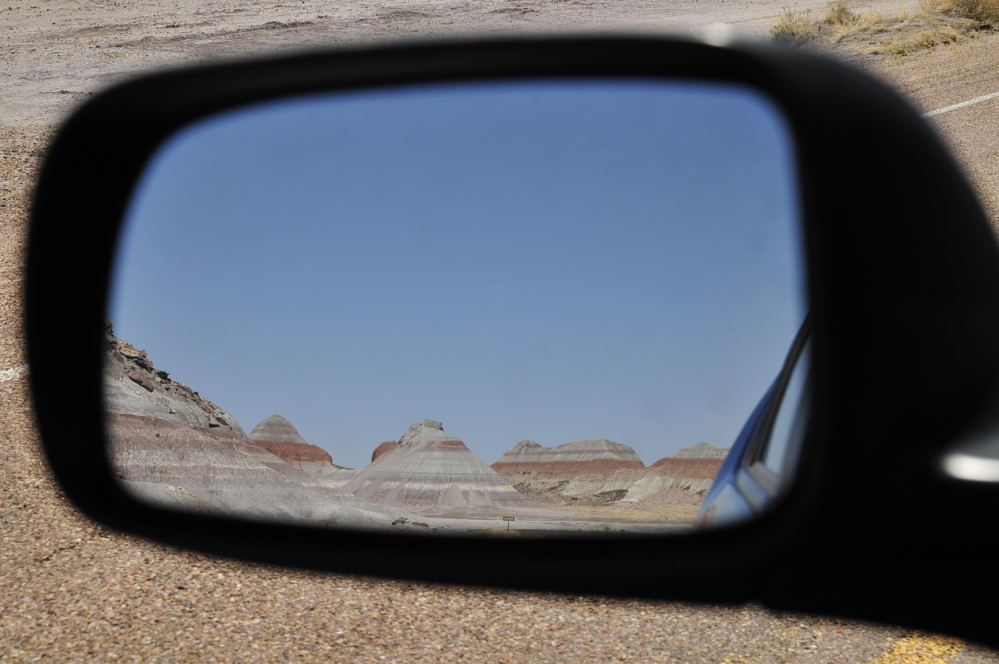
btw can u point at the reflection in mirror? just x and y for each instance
(524, 307)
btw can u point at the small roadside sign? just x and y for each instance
(508, 519)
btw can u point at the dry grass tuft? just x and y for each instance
(793, 27)
(933, 23)
(840, 14)
(841, 22)
(985, 12)
(922, 41)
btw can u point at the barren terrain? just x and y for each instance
(72, 591)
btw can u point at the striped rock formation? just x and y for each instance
(277, 435)
(587, 471)
(601, 472)
(432, 473)
(684, 477)
(171, 446)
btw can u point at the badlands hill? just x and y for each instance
(279, 437)
(591, 471)
(602, 472)
(680, 479)
(172, 446)
(433, 473)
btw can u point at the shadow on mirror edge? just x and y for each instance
(508, 307)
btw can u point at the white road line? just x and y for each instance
(954, 107)
(13, 373)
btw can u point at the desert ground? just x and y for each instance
(73, 591)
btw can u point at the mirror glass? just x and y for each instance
(508, 308)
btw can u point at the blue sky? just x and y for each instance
(547, 261)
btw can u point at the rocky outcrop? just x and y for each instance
(133, 385)
(433, 473)
(585, 471)
(277, 435)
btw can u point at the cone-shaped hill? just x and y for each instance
(277, 435)
(431, 472)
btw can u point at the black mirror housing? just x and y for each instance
(903, 277)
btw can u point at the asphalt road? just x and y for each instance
(70, 591)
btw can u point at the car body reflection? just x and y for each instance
(762, 458)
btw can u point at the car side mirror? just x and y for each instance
(884, 247)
